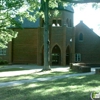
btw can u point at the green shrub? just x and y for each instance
(3, 62)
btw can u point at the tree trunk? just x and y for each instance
(46, 37)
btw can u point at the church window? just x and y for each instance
(78, 57)
(54, 22)
(59, 22)
(70, 23)
(2, 51)
(56, 55)
(80, 37)
(67, 22)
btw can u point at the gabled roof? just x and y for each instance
(82, 26)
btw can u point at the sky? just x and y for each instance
(89, 15)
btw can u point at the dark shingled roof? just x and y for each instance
(66, 8)
(28, 24)
(69, 8)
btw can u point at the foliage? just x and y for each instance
(10, 9)
(33, 9)
(3, 62)
(96, 5)
(11, 17)
(32, 75)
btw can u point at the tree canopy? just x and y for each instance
(11, 9)
(13, 12)
(11, 16)
(8, 11)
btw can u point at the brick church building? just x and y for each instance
(68, 44)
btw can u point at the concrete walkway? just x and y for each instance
(16, 83)
(17, 73)
(20, 82)
(29, 69)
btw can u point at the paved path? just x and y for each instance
(29, 69)
(18, 73)
(32, 70)
(16, 83)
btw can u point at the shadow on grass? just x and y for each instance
(75, 88)
(35, 75)
(55, 72)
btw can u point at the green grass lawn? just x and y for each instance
(11, 69)
(75, 88)
(35, 75)
(1, 66)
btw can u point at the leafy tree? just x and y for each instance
(96, 5)
(11, 17)
(10, 9)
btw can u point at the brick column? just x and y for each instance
(39, 48)
(10, 59)
(73, 45)
(63, 52)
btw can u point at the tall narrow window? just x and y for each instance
(54, 22)
(56, 55)
(67, 22)
(70, 23)
(80, 37)
(2, 51)
(59, 22)
(78, 57)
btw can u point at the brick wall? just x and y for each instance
(24, 47)
(28, 46)
(59, 36)
(89, 47)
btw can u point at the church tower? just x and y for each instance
(60, 35)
